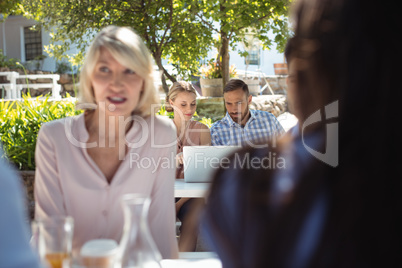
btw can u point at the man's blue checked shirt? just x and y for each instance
(261, 127)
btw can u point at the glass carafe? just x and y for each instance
(137, 246)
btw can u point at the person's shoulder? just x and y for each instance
(54, 124)
(162, 129)
(264, 115)
(162, 123)
(199, 125)
(63, 128)
(60, 124)
(261, 113)
(220, 124)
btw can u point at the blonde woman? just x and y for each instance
(86, 163)
(181, 99)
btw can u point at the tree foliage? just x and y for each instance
(182, 31)
(9, 7)
(232, 20)
(167, 28)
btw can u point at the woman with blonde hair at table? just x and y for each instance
(181, 99)
(86, 163)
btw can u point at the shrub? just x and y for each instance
(162, 111)
(20, 122)
(62, 67)
(8, 63)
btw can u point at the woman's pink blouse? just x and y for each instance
(190, 137)
(68, 182)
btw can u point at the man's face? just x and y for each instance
(236, 103)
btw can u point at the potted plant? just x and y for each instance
(211, 78)
(281, 68)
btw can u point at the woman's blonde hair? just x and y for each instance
(129, 50)
(175, 89)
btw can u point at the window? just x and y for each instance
(33, 43)
(253, 57)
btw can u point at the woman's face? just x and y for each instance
(117, 89)
(184, 105)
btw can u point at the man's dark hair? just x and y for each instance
(234, 84)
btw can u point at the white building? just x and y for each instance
(262, 60)
(18, 41)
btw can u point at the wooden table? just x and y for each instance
(190, 189)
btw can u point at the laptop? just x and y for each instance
(201, 162)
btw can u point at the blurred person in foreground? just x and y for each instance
(85, 164)
(336, 202)
(15, 251)
(182, 101)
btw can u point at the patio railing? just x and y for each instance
(12, 89)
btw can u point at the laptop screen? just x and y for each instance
(201, 162)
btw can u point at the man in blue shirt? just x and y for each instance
(242, 126)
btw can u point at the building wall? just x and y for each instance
(12, 42)
(267, 60)
(12, 36)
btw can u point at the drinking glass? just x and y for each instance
(52, 239)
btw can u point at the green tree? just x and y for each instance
(9, 7)
(232, 20)
(168, 28)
